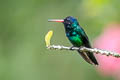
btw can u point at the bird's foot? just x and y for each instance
(71, 48)
(80, 47)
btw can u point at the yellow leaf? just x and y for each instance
(48, 38)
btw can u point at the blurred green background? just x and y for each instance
(23, 25)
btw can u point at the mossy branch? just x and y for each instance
(82, 49)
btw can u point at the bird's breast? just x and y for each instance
(74, 39)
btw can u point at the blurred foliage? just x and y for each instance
(23, 25)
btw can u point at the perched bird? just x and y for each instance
(77, 37)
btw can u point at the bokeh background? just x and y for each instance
(23, 26)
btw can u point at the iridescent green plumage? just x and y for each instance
(78, 37)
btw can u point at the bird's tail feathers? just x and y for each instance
(89, 57)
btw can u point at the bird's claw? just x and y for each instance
(71, 48)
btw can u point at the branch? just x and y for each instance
(82, 49)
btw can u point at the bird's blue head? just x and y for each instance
(69, 22)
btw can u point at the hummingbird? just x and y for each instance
(77, 36)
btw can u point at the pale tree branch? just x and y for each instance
(82, 49)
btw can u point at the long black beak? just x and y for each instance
(55, 20)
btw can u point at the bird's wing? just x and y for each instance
(86, 43)
(83, 37)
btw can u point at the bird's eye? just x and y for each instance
(68, 19)
(68, 22)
